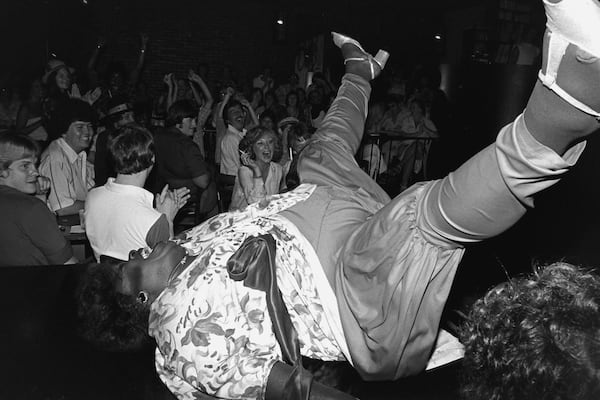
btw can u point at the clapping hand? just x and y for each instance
(180, 196)
(42, 185)
(169, 202)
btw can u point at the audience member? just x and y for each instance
(316, 108)
(536, 337)
(290, 86)
(179, 160)
(30, 118)
(65, 159)
(234, 114)
(272, 104)
(218, 120)
(292, 107)
(60, 87)
(119, 216)
(119, 113)
(267, 120)
(264, 81)
(9, 106)
(259, 176)
(29, 234)
(205, 100)
(414, 152)
(256, 101)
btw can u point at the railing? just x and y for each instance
(391, 152)
(383, 152)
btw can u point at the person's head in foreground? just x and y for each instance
(536, 337)
(132, 150)
(18, 163)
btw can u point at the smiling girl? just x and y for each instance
(258, 176)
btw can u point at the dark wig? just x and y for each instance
(180, 110)
(535, 338)
(110, 320)
(131, 149)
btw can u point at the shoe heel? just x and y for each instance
(381, 58)
(339, 40)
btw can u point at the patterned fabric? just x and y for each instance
(213, 334)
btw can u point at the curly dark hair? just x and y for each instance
(253, 135)
(108, 319)
(536, 337)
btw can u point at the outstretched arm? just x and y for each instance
(530, 155)
(91, 66)
(169, 80)
(137, 72)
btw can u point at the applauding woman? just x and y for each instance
(258, 176)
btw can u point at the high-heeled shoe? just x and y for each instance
(376, 64)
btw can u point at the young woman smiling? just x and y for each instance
(258, 176)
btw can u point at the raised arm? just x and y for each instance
(91, 65)
(530, 154)
(169, 80)
(137, 72)
(253, 115)
(194, 77)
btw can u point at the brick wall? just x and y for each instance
(226, 33)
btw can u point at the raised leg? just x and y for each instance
(328, 159)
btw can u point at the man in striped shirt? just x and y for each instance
(65, 160)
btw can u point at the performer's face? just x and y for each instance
(152, 274)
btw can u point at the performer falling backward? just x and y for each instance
(335, 269)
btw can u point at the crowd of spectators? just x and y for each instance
(73, 116)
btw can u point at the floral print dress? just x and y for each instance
(213, 334)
